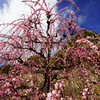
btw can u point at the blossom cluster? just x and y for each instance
(84, 40)
(57, 93)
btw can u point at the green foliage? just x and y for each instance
(89, 33)
(37, 59)
(5, 69)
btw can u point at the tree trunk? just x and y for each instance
(46, 85)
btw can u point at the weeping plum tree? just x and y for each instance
(38, 36)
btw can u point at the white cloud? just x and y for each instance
(66, 12)
(81, 19)
(15, 8)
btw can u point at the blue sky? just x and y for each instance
(90, 12)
